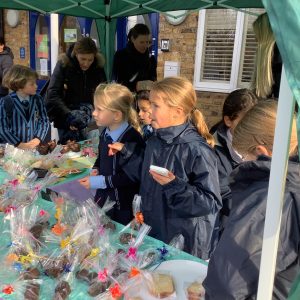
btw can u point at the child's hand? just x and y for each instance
(114, 148)
(94, 172)
(29, 145)
(34, 143)
(162, 180)
(85, 181)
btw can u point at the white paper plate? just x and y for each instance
(184, 272)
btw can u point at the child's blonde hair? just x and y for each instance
(116, 97)
(258, 127)
(17, 76)
(263, 77)
(179, 92)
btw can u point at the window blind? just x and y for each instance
(220, 30)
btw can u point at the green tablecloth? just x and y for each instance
(79, 289)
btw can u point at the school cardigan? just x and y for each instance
(120, 187)
(24, 124)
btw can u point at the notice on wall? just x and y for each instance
(70, 35)
(42, 46)
(44, 67)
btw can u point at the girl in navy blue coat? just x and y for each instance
(235, 107)
(233, 269)
(113, 110)
(186, 200)
(23, 117)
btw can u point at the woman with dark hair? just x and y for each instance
(69, 98)
(235, 107)
(6, 62)
(134, 63)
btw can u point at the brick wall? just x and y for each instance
(18, 37)
(183, 39)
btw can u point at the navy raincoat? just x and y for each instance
(233, 270)
(190, 203)
(228, 159)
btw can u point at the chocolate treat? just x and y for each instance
(31, 273)
(117, 272)
(93, 276)
(65, 149)
(121, 251)
(52, 145)
(75, 147)
(62, 291)
(32, 292)
(83, 275)
(110, 225)
(126, 237)
(54, 268)
(149, 259)
(36, 230)
(43, 148)
(97, 288)
(2, 152)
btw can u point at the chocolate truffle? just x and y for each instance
(2, 152)
(54, 268)
(32, 292)
(93, 276)
(62, 291)
(75, 147)
(96, 288)
(110, 225)
(65, 149)
(36, 230)
(31, 273)
(52, 145)
(83, 275)
(126, 237)
(43, 149)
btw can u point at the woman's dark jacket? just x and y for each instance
(188, 204)
(131, 66)
(69, 86)
(228, 159)
(120, 187)
(233, 270)
(6, 61)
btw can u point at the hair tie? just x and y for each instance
(193, 110)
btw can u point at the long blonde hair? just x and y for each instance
(116, 97)
(178, 91)
(258, 128)
(263, 77)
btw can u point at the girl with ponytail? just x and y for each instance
(113, 110)
(186, 200)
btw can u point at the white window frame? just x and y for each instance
(235, 66)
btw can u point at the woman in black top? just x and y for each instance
(69, 98)
(134, 63)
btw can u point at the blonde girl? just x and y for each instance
(113, 110)
(233, 270)
(186, 201)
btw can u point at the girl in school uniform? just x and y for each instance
(23, 117)
(185, 201)
(113, 110)
(236, 104)
(233, 269)
(144, 106)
